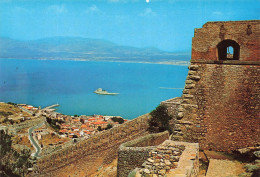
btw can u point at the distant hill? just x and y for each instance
(82, 48)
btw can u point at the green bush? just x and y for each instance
(53, 123)
(159, 120)
(251, 168)
(118, 119)
(99, 128)
(109, 126)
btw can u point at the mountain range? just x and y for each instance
(83, 49)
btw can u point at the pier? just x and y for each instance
(52, 106)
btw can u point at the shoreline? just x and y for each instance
(173, 62)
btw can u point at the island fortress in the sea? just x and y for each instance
(100, 91)
(218, 110)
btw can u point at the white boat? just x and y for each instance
(100, 91)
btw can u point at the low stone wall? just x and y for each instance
(162, 159)
(132, 154)
(188, 165)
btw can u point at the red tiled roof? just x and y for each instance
(98, 123)
(87, 132)
(91, 119)
(63, 130)
(89, 129)
(84, 126)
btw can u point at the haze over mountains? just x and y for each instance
(82, 48)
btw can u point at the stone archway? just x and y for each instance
(224, 47)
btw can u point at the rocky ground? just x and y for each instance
(109, 170)
(12, 112)
(224, 168)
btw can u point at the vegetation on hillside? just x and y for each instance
(54, 123)
(159, 120)
(118, 119)
(12, 163)
(8, 110)
(109, 126)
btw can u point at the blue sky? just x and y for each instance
(164, 24)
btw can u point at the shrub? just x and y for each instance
(251, 168)
(109, 126)
(159, 120)
(118, 119)
(53, 123)
(99, 128)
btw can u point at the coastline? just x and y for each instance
(173, 62)
(130, 91)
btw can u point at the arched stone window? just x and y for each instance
(228, 50)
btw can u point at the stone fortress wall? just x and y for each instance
(132, 154)
(85, 157)
(13, 129)
(161, 157)
(219, 107)
(220, 102)
(188, 164)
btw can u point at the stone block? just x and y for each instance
(189, 86)
(193, 77)
(180, 115)
(193, 67)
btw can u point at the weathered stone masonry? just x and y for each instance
(84, 158)
(220, 103)
(132, 154)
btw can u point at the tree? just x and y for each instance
(53, 123)
(159, 120)
(99, 128)
(109, 126)
(118, 119)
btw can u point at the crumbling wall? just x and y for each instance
(133, 154)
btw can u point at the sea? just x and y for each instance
(71, 84)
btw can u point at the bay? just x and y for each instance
(71, 84)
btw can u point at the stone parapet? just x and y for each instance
(221, 95)
(132, 154)
(188, 165)
(103, 146)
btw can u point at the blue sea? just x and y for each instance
(71, 84)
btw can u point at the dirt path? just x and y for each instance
(224, 168)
